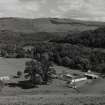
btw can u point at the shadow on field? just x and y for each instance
(22, 84)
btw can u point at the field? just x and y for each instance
(56, 93)
(53, 100)
(11, 66)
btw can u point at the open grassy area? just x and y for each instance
(11, 66)
(56, 93)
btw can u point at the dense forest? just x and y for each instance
(82, 51)
(91, 38)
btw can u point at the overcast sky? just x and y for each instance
(78, 9)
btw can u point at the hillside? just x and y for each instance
(13, 30)
(46, 25)
(91, 38)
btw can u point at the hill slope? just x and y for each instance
(91, 38)
(46, 25)
(18, 29)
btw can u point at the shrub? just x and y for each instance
(100, 68)
(19, 74)
(66, 61)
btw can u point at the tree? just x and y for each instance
(20, 53)
(85, 64)
(66, 61)
(46, 65)
(38, 72)
(33, 69)
(100, 68)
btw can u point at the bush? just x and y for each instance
(19, 74)
(66, 61)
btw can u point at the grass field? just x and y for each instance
(56, 93)
(53, 100)
(11, 66)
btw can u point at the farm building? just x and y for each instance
(65, 76)
(28, 48)
(91, 76)
(8, 51)
(72, 81)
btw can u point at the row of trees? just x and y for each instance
(13, 51)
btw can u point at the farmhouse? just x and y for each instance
(28, 48)
(28, 51)
(79, 79)
(9, 51)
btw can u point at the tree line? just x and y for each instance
(72, 56)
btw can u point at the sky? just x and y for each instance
(76, 9)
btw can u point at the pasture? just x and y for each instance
(11, 66)
(55, 93)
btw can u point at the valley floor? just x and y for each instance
(55, 93)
